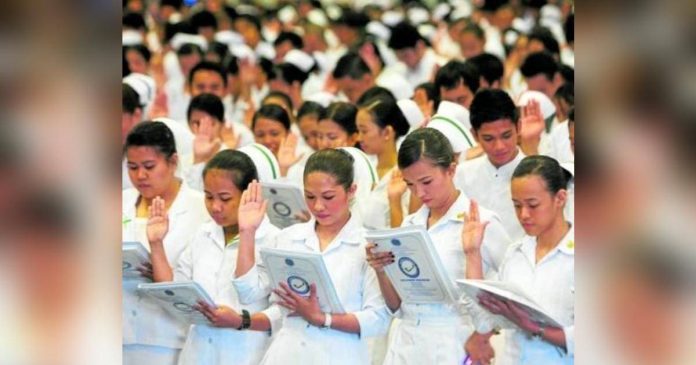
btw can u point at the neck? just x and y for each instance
(168, 195)
(230, 232)
(387, 158)
(550, 238)
(333, 229)
(438, 212)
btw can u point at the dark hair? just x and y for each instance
(208, 66)
(208, 103)
(539, 63)
(571, 115)
(475, 29)
(220, 49)
(384, 112)
(566, 92)
(431, 92)
(490, 105)
(335, 162)
(171, 29)
(375, 92)
(567, 73)
(404, 35)
(232, 66)
(289, 73)
(266, 67)
(238, 164)
(454, 72)
(311, 108)
(202, 19)
(273, 112)
(189, 49)
(555, 177)
(279, 94)
(141, 49)
(425, 143)
(343, 114)
(133, 21)
(291, 37)
(569, 28)
(489, 66)
(544, 35)
(176, 4)
(152, 134)
(130, 99)
(353, 19)
(350, 65)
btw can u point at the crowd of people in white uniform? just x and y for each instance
(457, 116)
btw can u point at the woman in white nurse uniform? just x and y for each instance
(435, 333)
(309, 336)
(210, 260)
(151, 335)
(380, 123)
(542, 263)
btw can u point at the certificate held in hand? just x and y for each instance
(133, 255)
(299, 270)
(179, 299)
(285, 203)
(417, 272)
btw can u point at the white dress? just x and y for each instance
(150, 335)
(211, 263)
(297, 342)
(436, 333)
(551, 283)
(490, 187)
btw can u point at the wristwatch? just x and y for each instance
(246, 320)
(539, 334)
(327, 320)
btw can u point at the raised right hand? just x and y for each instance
(205, 143)
(157, 221)
(252, 208)
(473, 230)
(397, 186)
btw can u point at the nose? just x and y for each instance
(141, 174)
(499, 145)
(318, 205)
(217, 206)
(418, 192)
(524, 213)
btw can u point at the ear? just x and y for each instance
(351, 191)
(561, 198)
(452, 169)
(389, 132)
(137, 116)
(174, 159)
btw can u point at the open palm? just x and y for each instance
(397, 186)
(287, 153)
(473, 230)
(252, 207)
(531, 121)
(205, 143)
(157, 222)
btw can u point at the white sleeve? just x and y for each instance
(184, 266)
(495, 243)
(374, 318)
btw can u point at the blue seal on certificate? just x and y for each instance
(395, 242)
(282, 209)
(298, 285)
(184, 307)
(409, 267)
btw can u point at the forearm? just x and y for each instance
(396, 213)
(474, 265)
(391, 297)
(161, 271)
(341, 322)
(414, 204)
(260, 322)
(246, 256)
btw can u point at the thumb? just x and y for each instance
(312, 291)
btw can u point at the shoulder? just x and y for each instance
(129, 196)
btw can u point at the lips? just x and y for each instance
(323, 216)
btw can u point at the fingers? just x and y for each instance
(245, 197)
(474, 211)
(312, 291)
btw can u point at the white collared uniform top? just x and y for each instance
(551, 283)
(193, 172)
(436, 333)
(211, 263)
(490, 187)
(377, 212)
(297, 342)
(144, 321)
(556, 144)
